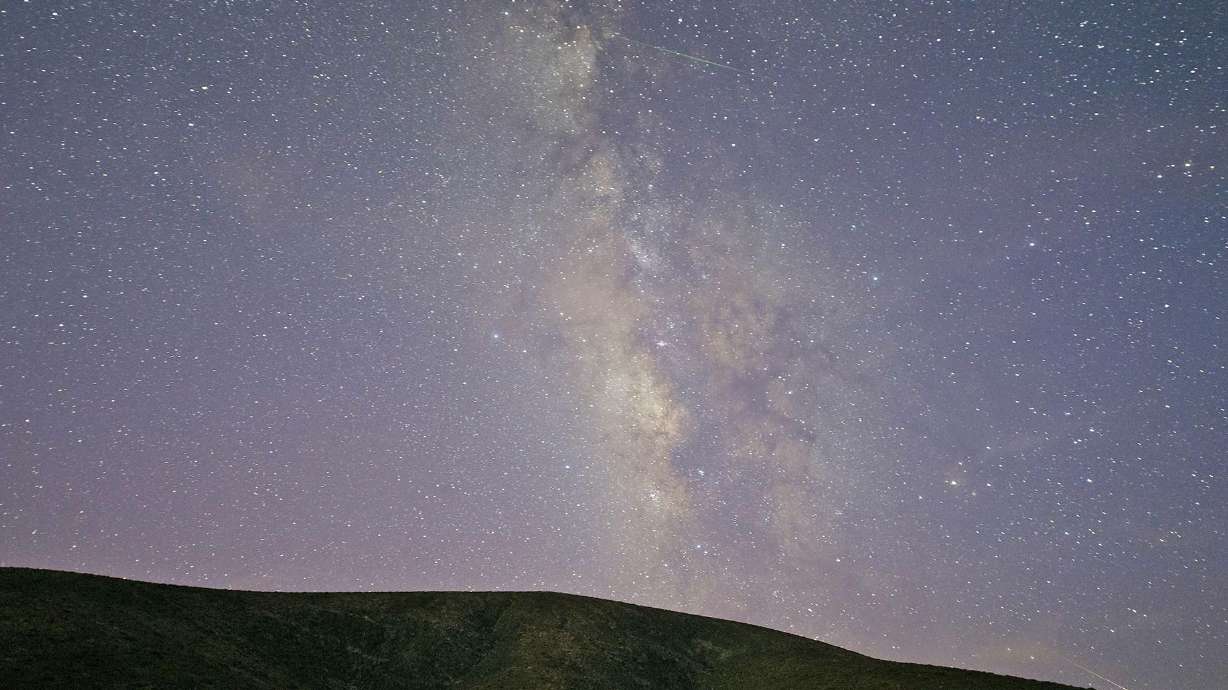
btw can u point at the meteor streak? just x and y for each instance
(677, 54)
(1115, 684)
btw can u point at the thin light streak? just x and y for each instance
(1114, 683)
(678, 54)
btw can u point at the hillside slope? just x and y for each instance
(62, 629)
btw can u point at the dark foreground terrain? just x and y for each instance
(70, 630)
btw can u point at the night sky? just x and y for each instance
(897, 326)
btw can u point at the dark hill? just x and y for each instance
(71, 630)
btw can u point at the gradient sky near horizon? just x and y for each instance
(900, 326)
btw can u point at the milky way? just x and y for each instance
(901, 328)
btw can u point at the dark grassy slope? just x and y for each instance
(71, 630)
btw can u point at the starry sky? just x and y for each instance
(900, 326)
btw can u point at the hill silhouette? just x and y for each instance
(60, 629)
